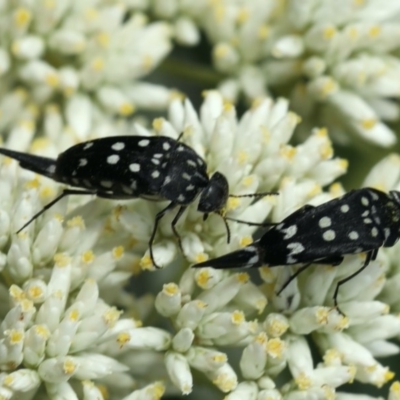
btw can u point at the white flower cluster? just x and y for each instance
(76, 64)
(336, 60)
(62, 333)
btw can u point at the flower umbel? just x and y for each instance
(68, 327)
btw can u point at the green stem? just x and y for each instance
(191, 71)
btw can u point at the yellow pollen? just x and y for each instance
(331, 357)
(374, 31)
(8, 380)
(322, 132)
(104, 391)
(389, 375)
(15, 336)
(40, 144)
(303, 381)
(103, 38)
(220, 51)
(22, 17)
(49, 3)
(171, 289)
(248, 181)
(35, 292)
(88, 257)
(243, 277)
(33, 110)
(74, 315)
(262, 339)
(157, 390)
(228, 106)
(242, 157)
(69, 367)
(16, 292)
(316, 189)
(288, 151)
(69, 91)
(260, 305)
(158, 124)
(343, 164)
(219, 11)
(135, 267)
(328, 87)
(146, 263)
(265, 133)
(275, 347)
(33, 184)
(47, 192)
(321, 315)
(118, 252)
(126, 109)
(238, 317)
(353, 371)
(277, 328)
(76, 222)
(245, 241)
(42, 330)
(61, 260)
(200, 304)
(242, 15)
(368, 123)
(358, 3)
(233, 203)
(326, 151)
(203, 277)
(27, 124)
(395, 388)
(97, 64)
(263, 32)
(148, 62)
(123, 338)
(91, 14)
(353, 33)
(220, 358)
(329, 32)
(52, 79)
(224, 382)
(111, 316)
(200, 257)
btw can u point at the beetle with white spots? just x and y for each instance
(126, 167)
(324, 234)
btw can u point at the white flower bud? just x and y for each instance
(179, 371)
(254, 358)
(183, 340)
(205, 359)
(168, 301)
(244, 390)
(191, 314)
(22, 380)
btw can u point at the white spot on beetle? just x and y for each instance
(113, 159)
(83, 162)
(106, 184)
(353, 235)
(344, 208)
(88, 145)
(118, 146)
(295, 248)
(190, 187)
(166, 146)
(186, 176)
(367, 221)
(167, 180)
(127, 189)
(324, 222)
(135, 167)
(290, 231)
(374, 232)
(181, 198)
(51, 169)
(364, 201)
(329, 235)
(155, 174)
(373, 195)
(191, 163)
(155, 161)
(144, 142)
